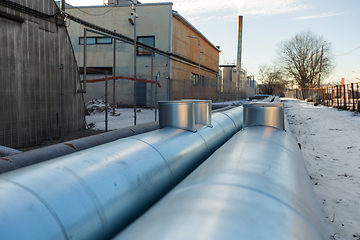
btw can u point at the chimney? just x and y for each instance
(239, 51)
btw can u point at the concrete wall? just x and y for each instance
(31, 51)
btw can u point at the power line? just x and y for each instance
(96, 15)
(348, 53)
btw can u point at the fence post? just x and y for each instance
(106, 101)
(170, 94)
(184, 90)
(353, 95)
(357, 96)
(114, 74)
(191, 88)
(62, 101)
(152, 73)
(337, 96)
(204, 88)
(345, 105)
(216, 88)
(157, 79)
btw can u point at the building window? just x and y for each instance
(196, 81)
(148, 40)
(95, 40)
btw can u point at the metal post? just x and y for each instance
(337, 95)
(216, 87)
(114, 74)
(184, 90)
(106, 101)
(85, 47)
(198, 88)
(191, 88)
(152, 73)
(156, 87)
(199, 71)
(321, 57)
(135, 55)
(357, 96)
(62, 101)
(204, 86)
(353, 95)
(171, 92)
(345, 96)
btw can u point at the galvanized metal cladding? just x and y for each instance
(95, 193)
(255, 186)
(10, 163)
(185, 114)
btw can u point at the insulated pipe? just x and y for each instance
(255, 186)
(95, 193)
(5, 151)
(43, 154)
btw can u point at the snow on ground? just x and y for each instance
(330, 144)
(124, 117)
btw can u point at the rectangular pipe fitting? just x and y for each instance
(202, 111)
(178, 114)
(264, 114)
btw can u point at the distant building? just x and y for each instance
(157, 25)
(234, 81)
(38, 75)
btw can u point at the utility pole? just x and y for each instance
(135, 55)
(63, 5)
(321, 57)
(114, 74)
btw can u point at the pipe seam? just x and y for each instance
(167, 164)
(57, 219)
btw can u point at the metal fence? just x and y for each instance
(344, 96)
(162, 89)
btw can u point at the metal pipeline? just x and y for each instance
(255, 186)
(43, 154)
(95, 193)
(5, 151)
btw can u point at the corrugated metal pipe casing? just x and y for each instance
(95, 193)
(254, 187)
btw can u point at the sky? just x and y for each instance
(268, 23)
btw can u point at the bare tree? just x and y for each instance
(306, 58)
(272, 79)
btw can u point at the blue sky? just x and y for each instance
(267, 23)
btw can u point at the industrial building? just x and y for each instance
(38, 75)
(190, 71)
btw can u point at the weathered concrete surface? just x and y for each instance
(31, 51)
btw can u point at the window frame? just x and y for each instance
(82, 41)
(147, 53)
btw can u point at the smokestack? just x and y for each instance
(239, 51)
